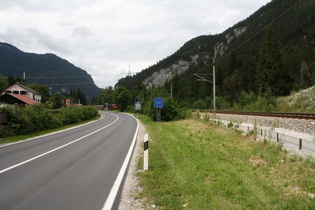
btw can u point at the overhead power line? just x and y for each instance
(257, 33)
(57, 77)
(58, 84)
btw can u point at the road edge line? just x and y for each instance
(113, 192)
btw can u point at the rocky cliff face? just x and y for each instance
(159, 78)
(221, 47)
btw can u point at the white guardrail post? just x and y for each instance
(146, 153)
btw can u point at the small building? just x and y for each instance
(68, 103)
(19, 89)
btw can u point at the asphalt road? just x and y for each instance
(81, 168)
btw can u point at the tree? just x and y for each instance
(3, 84)
(192, 90)
(234, 64)
(106, 96)
(313, 70)
(175, 86)
(270, 69)
(305, 76)
(233, 77)
(56, 101)
(122, 97)
(78, 97)
(247, 99)
(233, 82)
(12, 80)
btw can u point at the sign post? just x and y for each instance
(158, 104)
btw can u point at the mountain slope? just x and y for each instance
(237, 51)
(47, 69)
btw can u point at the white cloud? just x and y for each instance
(82, 31)
(104, 37)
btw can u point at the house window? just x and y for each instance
(15, 92)
(22, 92)
(8, 91)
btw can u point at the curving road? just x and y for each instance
(80, 168)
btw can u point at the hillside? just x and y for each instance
(241, 54)
(47, 69)
(302, 101)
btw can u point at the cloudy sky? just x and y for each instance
(105, 37)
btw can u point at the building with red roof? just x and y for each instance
(9, 98)
(19, 89)
(20, 94)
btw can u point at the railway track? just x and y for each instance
(309, 116)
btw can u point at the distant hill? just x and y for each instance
(46, 69)
(237, 51)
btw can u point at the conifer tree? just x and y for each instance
(270, 69)
(193, 86)
(313, 70)
(3, 84)
(176, 86)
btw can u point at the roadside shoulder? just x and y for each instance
(131, 188)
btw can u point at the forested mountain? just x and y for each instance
(271, 51)
(46, 69)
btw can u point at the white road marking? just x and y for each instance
(58, 148)
(112, 195)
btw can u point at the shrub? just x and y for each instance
(200, 104)
(230, 125)
(70, 115)
(30, 119)
(171, 110)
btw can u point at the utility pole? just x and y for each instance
(214, 105)
(206, 80)
(129, 73)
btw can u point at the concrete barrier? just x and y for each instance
(302, 142)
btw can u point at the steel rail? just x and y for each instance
(310, 116)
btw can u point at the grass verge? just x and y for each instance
(194, 164)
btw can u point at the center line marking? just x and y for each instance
(58, 148)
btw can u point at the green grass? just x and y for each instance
(205, 166)
(12, 139)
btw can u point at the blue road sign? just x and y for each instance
(158, 102)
